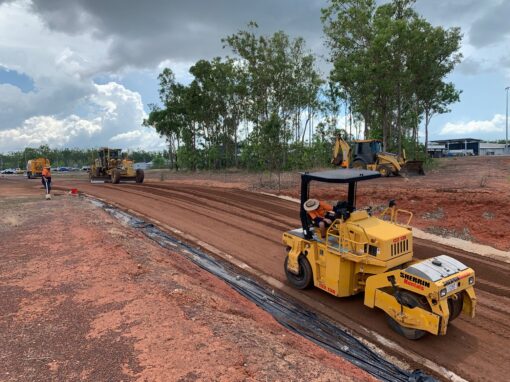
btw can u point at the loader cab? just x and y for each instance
(367, 150)
(350, 177)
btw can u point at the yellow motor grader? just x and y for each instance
(111, 165)
(368, 154)
(363, 253)
(35, 167)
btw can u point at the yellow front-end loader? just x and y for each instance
(368, 154)
(362, 253)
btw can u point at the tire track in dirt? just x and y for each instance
(239, 198)
(218, 206)
(195, 210)
(469, 347)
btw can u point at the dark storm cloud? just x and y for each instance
(492, 27)
(143, 33)
(483, 23)
(451, 12)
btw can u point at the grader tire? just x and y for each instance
(410, 300)
(115, 176)
(139, 176)
(302, 280)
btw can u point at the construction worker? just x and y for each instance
(321, 213)
(46, 180)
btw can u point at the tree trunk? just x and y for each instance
(308, 121)
(236, 162)
(176, 151)
(170, 156)
(384, 123)
(399, 122)
(366, 131)
(350, 119)
(427, 120)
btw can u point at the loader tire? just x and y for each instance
(384, 170)
(359, 165)
(305, 277)
(115, 176)
(139, 176)
(410, 300)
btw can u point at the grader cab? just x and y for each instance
(112, 165)
(363, 253)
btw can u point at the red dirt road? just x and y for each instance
(249, 226)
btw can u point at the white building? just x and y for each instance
(464, 147)
(492, 148)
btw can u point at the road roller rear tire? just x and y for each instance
(302, 280)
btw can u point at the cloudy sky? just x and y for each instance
(80, 73)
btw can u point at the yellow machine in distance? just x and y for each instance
(368, 154)
(373, 255)
(35, 167)
(111, 165)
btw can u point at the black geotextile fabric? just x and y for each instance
(287, 312)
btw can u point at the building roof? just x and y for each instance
(458, 140)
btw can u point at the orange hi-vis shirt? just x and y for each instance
(321, 211)
(46, 173)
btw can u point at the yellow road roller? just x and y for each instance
(364, 253)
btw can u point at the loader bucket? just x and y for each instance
(413, 167)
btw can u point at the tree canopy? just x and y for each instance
(270, 86)
(266, 106)
(391, 65)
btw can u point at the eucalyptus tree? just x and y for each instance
(391, 64)
(431, 63)
(223, 99)
(170, 120)
(281, 82)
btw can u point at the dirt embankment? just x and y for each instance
(84, 298)
(466, 198)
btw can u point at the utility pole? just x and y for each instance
(506, 140)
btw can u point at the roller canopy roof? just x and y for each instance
(340, 176)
